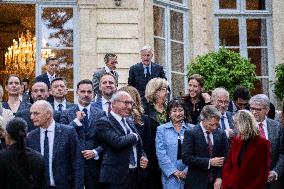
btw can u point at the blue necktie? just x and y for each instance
(46, 156)
(131, 157)
(223, 123)
(148, 75)
(60, 107)
(85, 119)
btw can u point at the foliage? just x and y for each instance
(224, 68)
(279, 81)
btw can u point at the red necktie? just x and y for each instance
(210, 144)
(261, 130)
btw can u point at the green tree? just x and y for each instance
(224, 68)
(279, 81)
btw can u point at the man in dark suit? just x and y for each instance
(110, 60)
(59, 146)
(108, 87)
(59, 91)
(204, 148)
(272, 131)
(241, 96)
(220, 99)
(85, 125)
(123, 156)
(39, 92)
(26, 95)
(141, 73)
(52, 65)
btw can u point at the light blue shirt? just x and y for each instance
(145, 69)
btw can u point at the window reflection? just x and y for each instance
(256, 32)
(177, 57)
(159, 19)
(227, 4)
(229, 32)
(259, 57)
(178, 1)
(159, 51)
(57, 28)
(255, 5)
(261, 86)
(176, 26)
(177, 85)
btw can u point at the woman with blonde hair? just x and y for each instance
(142, 124)
(156, 94)
(248, 162)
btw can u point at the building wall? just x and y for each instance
(122, 30)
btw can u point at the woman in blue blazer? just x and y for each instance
(169, 139)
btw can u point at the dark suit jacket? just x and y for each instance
(253, 172)
(43, 78)
(195, 154)
(276, 138)
(87, 137)
(96, 80)
(25, 114)
(13, 169)
(98, 104)
(117, 148)
(137, 78)
(66, 165)
(23, 106)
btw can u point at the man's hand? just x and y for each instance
(272, 176)
(80, 115)
(143, 162)
(231, 132)
(206, 97)
(183, 174)
(217, 161)
(218, 183)
(88, 154)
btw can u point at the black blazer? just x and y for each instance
(117, 148)
(87, 138)
(137, 78)
(68, 105)
(13, 172)
(195, 154)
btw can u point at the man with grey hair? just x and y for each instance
(203, 150)
(123, 155)
(141, 73)
(272, 131)
(220, 99)
(59, 147)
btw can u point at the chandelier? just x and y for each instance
(20, 57)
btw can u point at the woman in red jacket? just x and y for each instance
(247, 164)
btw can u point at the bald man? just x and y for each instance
(58, 144)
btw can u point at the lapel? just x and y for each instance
(47, 80)
(215, 139)
(203, 139)
(37, 141)
(230, 119)
(116, 125)
(153, 70)
(270, 130)
(57, 139)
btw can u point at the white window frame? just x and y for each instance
(168, 5)
(242, 15)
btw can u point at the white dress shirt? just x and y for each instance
(227, 126)
(50, 135)
(56, 105)
(50, 77)
(119, 119)
(105, 105)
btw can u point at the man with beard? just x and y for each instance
(59, 91)
(39, 92)
(107, 87)
(83, 118)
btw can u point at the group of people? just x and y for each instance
(134, 137)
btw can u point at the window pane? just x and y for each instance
(177, 57)
(159, 51)
(177, 85)
(227, 4)
(178, 1)
(176, 26)
(255, 4)
(256, 32)
(159, 21)
(235, 50)
(228, 32)
(65, 58)
(261, 86)
(57, 28)
(260, 59)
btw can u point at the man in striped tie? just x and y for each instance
(272, 131)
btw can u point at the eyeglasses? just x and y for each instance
(126, 102)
